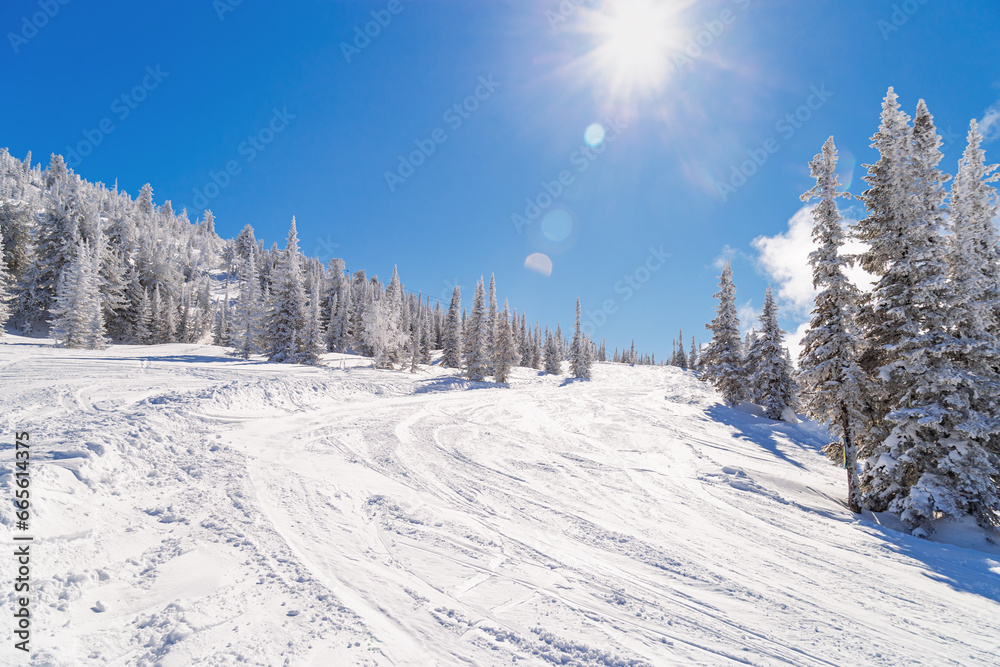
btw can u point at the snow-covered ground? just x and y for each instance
(195, 509)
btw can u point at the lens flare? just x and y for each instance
(539, 263)
(636, 41)
(594, 135)
(557, 225)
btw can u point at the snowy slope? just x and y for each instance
(195, 509)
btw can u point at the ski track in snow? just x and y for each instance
(195, 509)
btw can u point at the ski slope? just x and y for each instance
(190, 508)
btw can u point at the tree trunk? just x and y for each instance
(851, 463)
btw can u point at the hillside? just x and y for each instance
(191, 508)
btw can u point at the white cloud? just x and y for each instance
(989, 126)
(749, 317)
(784, 259)
(727, 254)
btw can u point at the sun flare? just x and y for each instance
(636, 39)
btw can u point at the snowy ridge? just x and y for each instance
(196, 509)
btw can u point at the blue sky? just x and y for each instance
(309, 128)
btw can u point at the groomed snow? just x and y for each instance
(190, 508)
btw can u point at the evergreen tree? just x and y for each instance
(382, 332)
(536, 348)
(221, 331)
(77, 321)
(4, 294)
(693, 359)
(313, 341)
(505, 354)
(287, 318)
(681, 359)
(144, 332)
(579, 355)
(927, 466)
(553, 359)
(772, 377)
(476, 359)
(828, 369)
(491, 322)
(722, 364)
(452, 357)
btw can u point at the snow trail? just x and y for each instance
(193, 508)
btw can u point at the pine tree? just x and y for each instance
(77, 321)
(313, 342)
(828, 369)
(912, 471)
(144, 332)
(722, 364)
(693, 359)
(505, 354)
(287, 318)
(382, 332)
(221, 331)
(4, 294)
(579, 355)
(491, 322)
(887, 201)
(553, 359)
(452, 357)
(681, 359)
(536, 348)
(974, 322)
(772, 377)
(476, 359)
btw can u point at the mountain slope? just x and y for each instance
(191, 508)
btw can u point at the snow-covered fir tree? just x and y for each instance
(4, 292)
(772, 376)
(77, 321)
(476, 359)
(722, 364)
(505, 352)
(453, 344)
(248, 318)
(829, 375)
(580, 357)
(286, 320)
(553, 356)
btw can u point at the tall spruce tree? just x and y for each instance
(453, 344)
(505, 354)
(580, 357)
(772, 377)
(286, 321)
(829, 375)
(476, 359)
(722, 364)
(77, 321)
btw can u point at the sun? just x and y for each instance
(635, 42)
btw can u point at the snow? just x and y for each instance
(193, 508)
